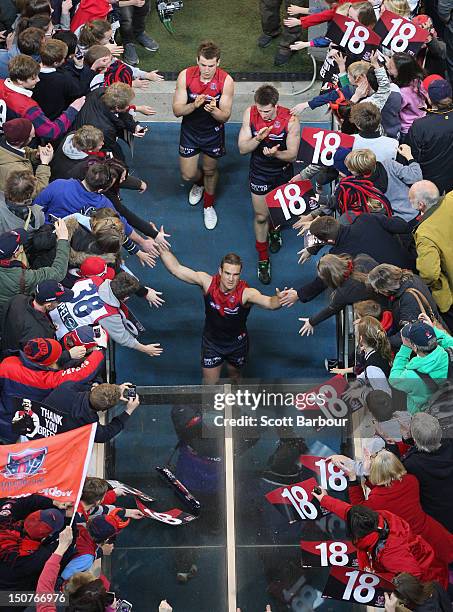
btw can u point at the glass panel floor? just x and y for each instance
(242, 551)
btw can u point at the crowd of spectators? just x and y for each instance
(66, 100)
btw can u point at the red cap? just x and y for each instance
(429, 79)
(96, 266)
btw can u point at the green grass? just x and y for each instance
(233, 24)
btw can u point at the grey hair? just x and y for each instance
(426, 432)
(426, 192)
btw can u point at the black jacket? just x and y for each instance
(375, 235)
(405, 307)
(438, 602)
(434, 472)
(73, 401)
(431, 140)
(56, 91)
(351, 291)
(95, 112)
(8, 14)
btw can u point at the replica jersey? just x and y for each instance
(86, 308)
(200, 120)
(225, 314)
(260, 165)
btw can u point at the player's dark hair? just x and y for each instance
(366, 116)
(361, 521)
(69, 38)
(98, 176)
(231, 258)
(94, 490)
(266, 94)
(408, 69)
(209, 50)
(124, 285)
(325, 228)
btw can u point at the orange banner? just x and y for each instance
(54, 466)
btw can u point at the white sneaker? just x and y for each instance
(210, 217)
(195, 194)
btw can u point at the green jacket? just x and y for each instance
(404, 377)
(10, 277)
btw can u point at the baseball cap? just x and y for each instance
(380, 404)
(439, 89)
(430, 79)
(421, 335)
(338, 160)
(43, 523)
(96, 266)
(17, 131)
(11, 241)
(103, 527)
(52, 291)
(43, 351)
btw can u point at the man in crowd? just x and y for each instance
(16, 202)
(272, 136)
(431, 137)
(15, 155)
(228, 301)
(434, 243)
(132, 28)
(203, 98)
(33, 373)
(17, 91)
(270, 23)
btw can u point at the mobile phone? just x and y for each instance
(78, 53)
(53, 218)
(124, 606)
(97, 332)
(130, 392)
(317, 490)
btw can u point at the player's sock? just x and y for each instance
(208, 199)
(263, 250)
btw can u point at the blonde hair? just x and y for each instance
(385, 469)
(361, 161)
(343, 9)
(400, 7)
(118, 96)
(77, 580)
(368, 308)
(371, 331)
(357, 69)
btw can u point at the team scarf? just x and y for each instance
(353, 194)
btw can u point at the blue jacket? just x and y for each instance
(65, 197)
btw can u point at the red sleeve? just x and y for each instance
(83, 372)
(311, 20)
(403, 447)
(109, 498)
(356, 494)
(46, 582)
(338, 507)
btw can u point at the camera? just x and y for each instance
(97, 332)
(166, 9)
(130, 392)
(124, 606)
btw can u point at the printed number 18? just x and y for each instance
(290, 200)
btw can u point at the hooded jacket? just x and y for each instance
(10, 221)
(65, 158)
(403, 375)
(434, 241)
(394, 180)
(402, 550)
(12, 159)
(21, 377)
(434, 472)
(402, 497)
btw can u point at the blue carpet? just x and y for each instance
(277, 351)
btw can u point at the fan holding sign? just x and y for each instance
(272, 137)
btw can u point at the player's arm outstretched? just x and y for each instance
(246, 141)
(202, 279)
(181, 107)
(292, 143)
(223, 112)
(269, 302)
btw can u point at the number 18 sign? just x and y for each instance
(355, 38)
(350, 584)
(399, 34)
(319, 146)
(289, 201)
